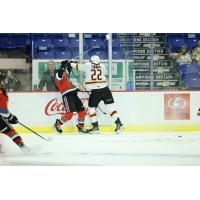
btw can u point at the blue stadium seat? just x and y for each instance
(115, 45)
(3, 42)
(176, 43)
(12, 41)
(191, 43)
(117, 55)
(188, 70)
(63, 54)
(43, 44)
(37, 36)
(114, 36)
(102, 54)
(176, 35)
(95, 43)
(45, 55)
(62, 44)
(17, 42)
(192, 82)
(75, 44)
(56, 36)
(184, 67)
(102, 36)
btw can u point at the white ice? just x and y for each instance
(106, 149)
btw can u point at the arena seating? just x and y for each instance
(190, 75)
(61, 45)
(97, 43)
(13, 41)
(192, 82)
(75, 54)
(44, 45)
(75, 44)
(176, 40)
(45, 54)
(188, 69)
(101, 53)
(117, 55)
(191, 43)
(59, 54)
(175, 43)
(66, 44)
(115, 45)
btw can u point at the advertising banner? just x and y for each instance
(139, 111)
(177, 106)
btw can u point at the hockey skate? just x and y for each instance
(119, 128)
(94, 130)
(25, 149)
(81, 130)
(57, 127)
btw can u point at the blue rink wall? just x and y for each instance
(139, 111)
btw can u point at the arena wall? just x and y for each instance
(139, 111)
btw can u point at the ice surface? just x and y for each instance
(106, 149)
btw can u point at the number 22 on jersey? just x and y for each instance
(96, 74)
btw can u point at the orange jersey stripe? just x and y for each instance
(95, 82)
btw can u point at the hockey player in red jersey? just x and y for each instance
(6, 119)
(71, 101)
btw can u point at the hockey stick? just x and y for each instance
(87, 91)
(46, 139)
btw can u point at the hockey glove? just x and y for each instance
(69, 68)
(74, 61)
(12, 119)
(60, 72)
(64, 64)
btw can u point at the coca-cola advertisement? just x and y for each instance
(55, 107)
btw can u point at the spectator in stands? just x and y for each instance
(196, 53)
(183, 56)
(12, 83)
(48, 78)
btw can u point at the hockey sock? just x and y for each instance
(81, 119)
(15, 137)
(95, 124)
(92, 114)
(65, 118)
(112, 111)
(93, 117)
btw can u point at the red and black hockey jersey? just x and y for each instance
(4, 112)
(64, 84)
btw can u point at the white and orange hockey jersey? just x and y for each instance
(94, 75)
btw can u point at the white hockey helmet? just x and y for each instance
(95, 59)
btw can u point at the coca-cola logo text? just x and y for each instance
(56, 106)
